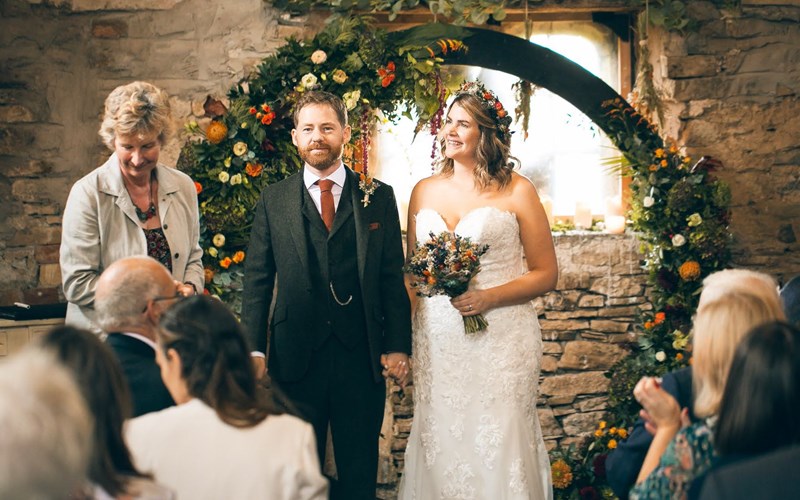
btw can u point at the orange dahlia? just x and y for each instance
(225, 263)
(253, 169)
(216, 132)
(238, 257)
(198, 187)
(561, 473)
(689, 270)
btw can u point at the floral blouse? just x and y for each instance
(687, 456)
(157, 246)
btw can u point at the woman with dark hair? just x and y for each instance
(758, 413)
(224, 439)
(476, 432)
(100, 379)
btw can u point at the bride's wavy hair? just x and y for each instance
(494, 163)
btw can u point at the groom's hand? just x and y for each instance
(396, 365)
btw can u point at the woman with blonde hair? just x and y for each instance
(130, 205)
(725, 315)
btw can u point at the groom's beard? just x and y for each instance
(320, 160)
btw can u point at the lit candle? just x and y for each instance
(614, 205)
(547, 204)
(583, 215)
(615, 224)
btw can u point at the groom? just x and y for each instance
(341, 314)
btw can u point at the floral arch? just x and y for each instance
(678, 209)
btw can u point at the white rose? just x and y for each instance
(236, 179)
(319, 57)
(351, 99)
(224, 176)
(648, 202)
(678, 240)
(218, 240)
(308, 80)
(212, 252)
(661, 357)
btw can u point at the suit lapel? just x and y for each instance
(293, 202)
(361, 219)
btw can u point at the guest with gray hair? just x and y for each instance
(47, 429)
(130, 296)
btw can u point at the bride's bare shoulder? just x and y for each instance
(427, 185)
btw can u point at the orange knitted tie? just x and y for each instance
(326, 201)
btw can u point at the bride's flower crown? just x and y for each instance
(491, 104)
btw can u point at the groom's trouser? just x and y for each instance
(339, 389)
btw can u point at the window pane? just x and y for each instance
(564, 152)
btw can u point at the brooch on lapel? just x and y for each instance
(367, 185)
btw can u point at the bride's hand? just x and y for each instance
(472, 302)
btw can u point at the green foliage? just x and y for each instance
(249, 146)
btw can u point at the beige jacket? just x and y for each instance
(100, 226)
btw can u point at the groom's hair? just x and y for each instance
(321, 97)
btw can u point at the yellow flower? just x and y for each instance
(612, 443)
(218, 240)
(239, 148)
(212, 251)
(339, 76)
(602, 424)
(663, 163)
(561, 473)
(622, 433)
(598, 433)
(689, 270)
(659, 153)
(612, 431)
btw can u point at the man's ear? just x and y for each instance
(294, 138)
(347, 132)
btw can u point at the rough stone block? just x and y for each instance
(585, 355)
(36, 236)
(591, 300)
(551, 348)
(691, 66)
(49, 275)
(573, 384)
(110, 29)
(617, 286)
(35, 190)
(563, 325)
(592, 404)
(609, 326)
(15, 113)
(549, 364)
(549, 424)
(92, 5)
(577, 313)
(580, 424)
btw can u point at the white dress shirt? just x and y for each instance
(338, 177)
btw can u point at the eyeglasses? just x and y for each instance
(160, 298)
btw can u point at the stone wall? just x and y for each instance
(730, 90)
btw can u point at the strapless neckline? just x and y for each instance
(467, 215)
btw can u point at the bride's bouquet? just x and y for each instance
(444, 265)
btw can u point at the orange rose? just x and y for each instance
(253, 169)
(198, 187)
(225, 263)
(267, 118)
(660, 317)
(216, 132)
(253, 110)
(238, 257)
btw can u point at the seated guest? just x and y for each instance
(223, 440)
(790, 296)
(676, 456)
(46, 435)
(757, 416)
(94, 367)
(130, 296)
(624, 463)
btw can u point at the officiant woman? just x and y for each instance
(130, 205)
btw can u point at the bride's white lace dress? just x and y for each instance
(476, 432)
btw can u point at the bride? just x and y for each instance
(476, 432)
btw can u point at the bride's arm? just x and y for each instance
(411, 241)
(540, 256)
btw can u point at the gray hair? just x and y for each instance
(138, 108)
(47, 428)
(124, 307)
